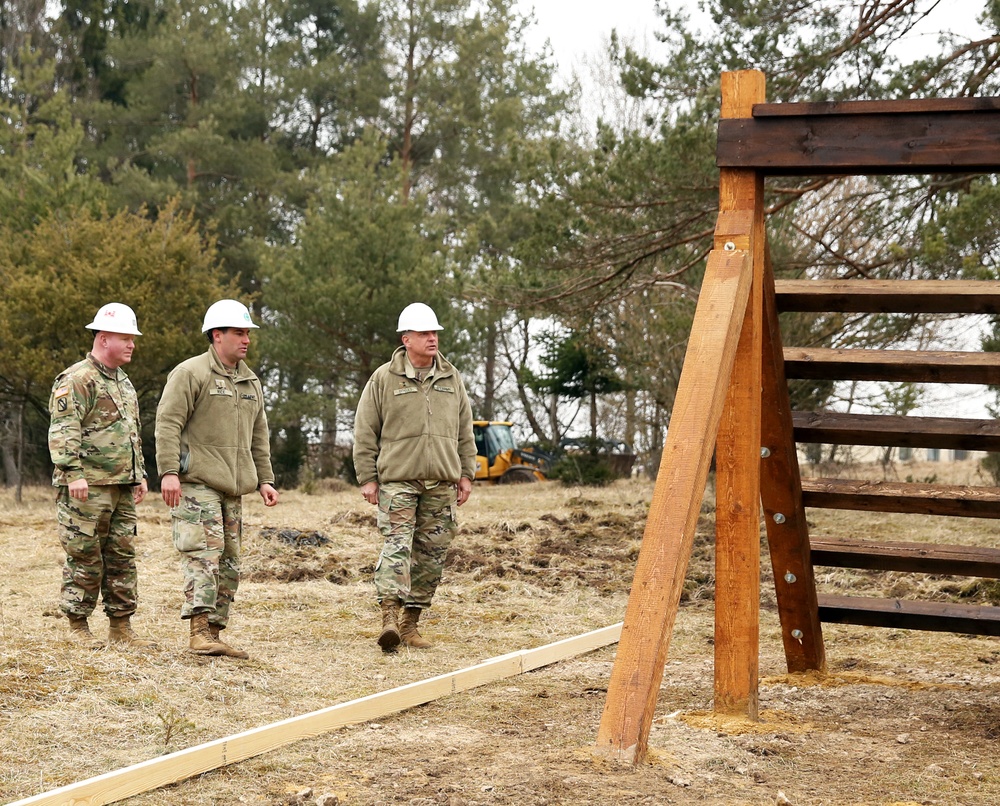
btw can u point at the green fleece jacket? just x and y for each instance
(405, 430)
(211, 427)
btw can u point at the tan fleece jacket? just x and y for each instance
(405, 430)
(211, 427)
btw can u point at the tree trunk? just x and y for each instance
(490, 369)
(20, 450)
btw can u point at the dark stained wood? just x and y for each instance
(894, 496)
(889, 296)
(886, 143)
(910, 615)
(892, 365)
(858, 108)
(896, 431)
(781, 493)
(919, 558)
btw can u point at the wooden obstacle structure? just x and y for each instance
(733, 398)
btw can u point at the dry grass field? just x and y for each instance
(901, 718)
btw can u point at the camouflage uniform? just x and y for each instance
(417, 523)
(413, 434)
(211, 430)
(206, 531)
(94, 434)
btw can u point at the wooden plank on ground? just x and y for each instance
(737, 455)
(910, 615)
(893, 496)
(169, 769)
(784, 513)
(903, 366)
(896, 430)
(889, 296)
(919, 558)
(886, 143)
(673, 512)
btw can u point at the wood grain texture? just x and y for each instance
(910, 615)
(890, 142)
(674, 508)
(737, 456)
(784, 512)
(902, 366)
(889, 296)
(918, 558)
(895, 430)
(895, 496)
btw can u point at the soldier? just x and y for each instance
(96, 448)
(211, 449)
(415, 457)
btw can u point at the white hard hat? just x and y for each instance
(419, 317)
(115, 318)
(226, 313)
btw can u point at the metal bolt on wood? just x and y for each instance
(797, 635)
(779, 518)
(790, 577)
(765, 452)
(729, 246)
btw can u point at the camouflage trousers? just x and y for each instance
(98, 536)
(417, 522)
(207, 526)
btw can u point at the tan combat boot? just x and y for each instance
(231, 652)
(79, 633)
(408, 629)
(389, 637)
(202, 642)
(120, 632)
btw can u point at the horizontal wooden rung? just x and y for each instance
(889, 296)
(910, 615)
(904, 497)
(902, 366)
(896, 431)
(920, 558)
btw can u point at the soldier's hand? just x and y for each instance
(464, 490)
(170, 489)
(79, 489)
(369, 492)
(139, 491)
(269, 494)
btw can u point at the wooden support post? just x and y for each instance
(673, 513)
(784, 513)
(737, 512)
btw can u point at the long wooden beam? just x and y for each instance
(889, 296)
(881, 138)
(908, 614)
(673, 512)
(927, 366)
(917, 558)
(737, 454)
(784, 514)
(860, 495)
(170, 769)
(896, 430)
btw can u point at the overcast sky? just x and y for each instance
(579, 28)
